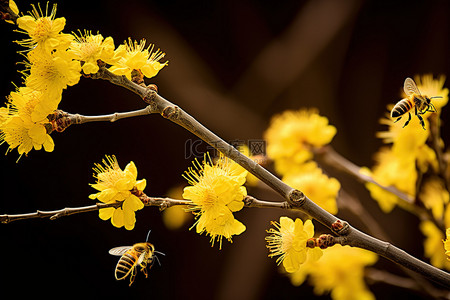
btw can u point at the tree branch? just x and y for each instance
(295, 198)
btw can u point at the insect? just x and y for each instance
(140, 254)
(414, 99)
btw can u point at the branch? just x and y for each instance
(374, 275)
(6, 13)
(295, 198)
(437, 145)
(55, 214)
(162, 203)
(329, 156)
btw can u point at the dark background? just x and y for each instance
(233, 64)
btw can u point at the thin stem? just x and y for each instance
(374, 275)
(330, 157)
(295, 198)
(81, 119)
(436, 144)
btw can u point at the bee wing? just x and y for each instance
(141, 258)
(119, 251)
(410, 87)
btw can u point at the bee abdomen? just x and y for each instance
(125, 265)
(402, 107)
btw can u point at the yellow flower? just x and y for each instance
(18, 129)
(216, 192)
(435, 196)
(116, 185)
(291, 135)
(340, 270)
(25, 135)
(43, 30)
(134, 56)
(288, 241)
(431, 87)
(50, 74)
(89, 48)
(317, 186)
(391, 170)
(433, 245)
(447, 243)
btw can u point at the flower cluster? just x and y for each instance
(288, 240)
(118, 186)
(291, 139)
(216, 192)
(340, 270)
(396, 165)
(54, 61)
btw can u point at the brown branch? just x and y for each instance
(327, 155)
(374, 275)
(6, 13)
(295, 198)
(162, 203)
(437, 146)
(55, 214)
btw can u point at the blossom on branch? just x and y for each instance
(89, 48)
(340, 270)
(292, 135)
(134, 56)
(216, 191)
(288, 240)
(18, 129)
(44, 30)
(117, 185)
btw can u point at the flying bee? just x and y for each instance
(140, 254)
(414, 99)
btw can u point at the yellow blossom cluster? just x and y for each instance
(340, 271)
(409, 155)
(216, 192)
(55, 60)
(288, 240)
(118, 186)
(291, 138)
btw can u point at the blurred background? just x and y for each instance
(232, 65)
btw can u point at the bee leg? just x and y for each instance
(144, 270)
(397, 120)
(420, 119)
(409, 119)
(132, 276)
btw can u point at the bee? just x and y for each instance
(416, 100)
(140, 254)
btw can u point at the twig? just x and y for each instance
(81, 119)
(330, 157)
(162, 203)
(6, 13)
(295, 198)
(374, 275)
(436, 145)
(55, 214)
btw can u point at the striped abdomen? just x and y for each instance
(401, 108)
(126, 264)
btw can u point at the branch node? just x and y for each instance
(296, 198)
(149, 95)
(340, 227)
(171, 112)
